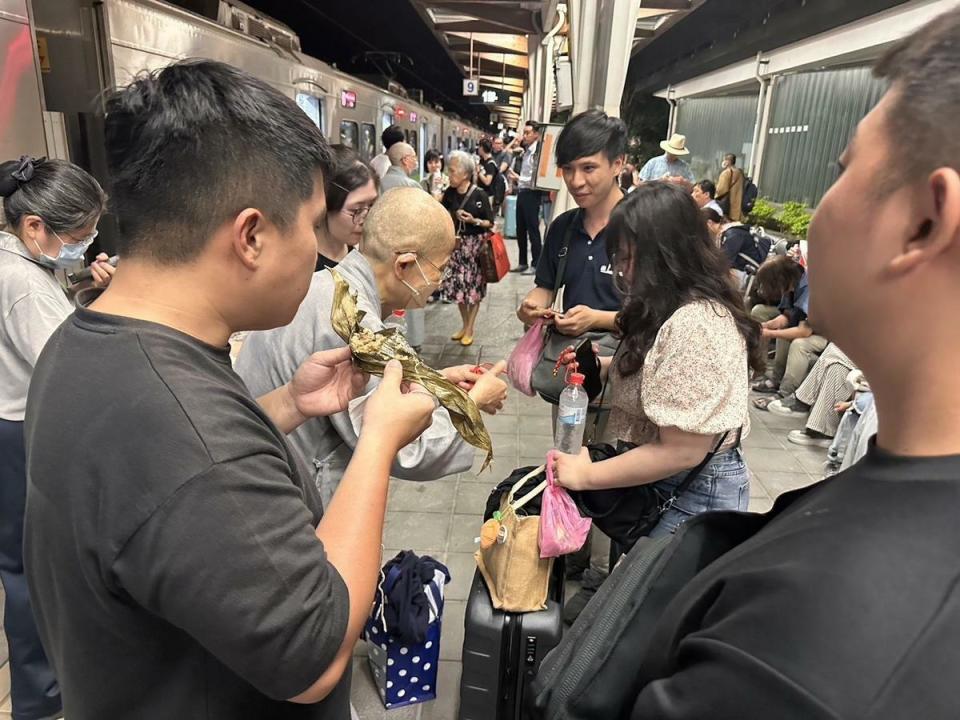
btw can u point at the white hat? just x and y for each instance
(677, 145)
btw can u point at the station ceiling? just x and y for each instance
(425, 44)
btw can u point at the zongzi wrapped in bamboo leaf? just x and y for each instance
(373, 350)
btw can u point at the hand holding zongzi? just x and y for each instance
(397, 412)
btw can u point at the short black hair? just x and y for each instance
(391, 136)
(191, 145)
(924, 71)
(348, 173)
(486, 146)
(708, 187)
(533, 125)
(430, 155)
(589, 133)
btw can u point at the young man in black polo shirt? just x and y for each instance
(177, 559)
(590, 154)
(847, 603)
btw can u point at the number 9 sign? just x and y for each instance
(470, 87)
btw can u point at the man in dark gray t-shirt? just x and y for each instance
(180, 563)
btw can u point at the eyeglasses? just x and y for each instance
(443, 272)
(86, 241)
(358, 215)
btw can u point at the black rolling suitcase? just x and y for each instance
(502, 651)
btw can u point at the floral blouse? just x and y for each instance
(695, 377)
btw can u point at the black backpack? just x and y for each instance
(750, 193)
(499, 188)
(595, 670)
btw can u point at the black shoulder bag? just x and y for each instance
(544, 381)
(626, 514)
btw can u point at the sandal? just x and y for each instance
(457, 335)
(466, 340)
(765, 386)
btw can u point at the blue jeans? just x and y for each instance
(848, 424)
(33, 688)
(724, 484)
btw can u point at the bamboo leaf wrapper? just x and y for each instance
(372, 350)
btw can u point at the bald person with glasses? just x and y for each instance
(407, 241)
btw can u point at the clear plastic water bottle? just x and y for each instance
(571, 416)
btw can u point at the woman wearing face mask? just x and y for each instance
(472, 215)
(50, 214)
(682, 369)
(351, 191)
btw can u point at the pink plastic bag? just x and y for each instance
(525, 357)
(562, 530)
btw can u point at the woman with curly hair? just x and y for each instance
(682, 370)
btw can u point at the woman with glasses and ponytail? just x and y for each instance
(683, 366)
(50, 214)
(351, 191)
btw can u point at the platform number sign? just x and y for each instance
(471, 87)
(490, 96)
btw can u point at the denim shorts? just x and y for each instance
(724, 484)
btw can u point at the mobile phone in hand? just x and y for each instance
(588, 364)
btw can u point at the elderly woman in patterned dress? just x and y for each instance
(682, 371)
(464, 282)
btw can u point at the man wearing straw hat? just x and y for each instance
(669, 166)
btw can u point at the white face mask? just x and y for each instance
(417, 293)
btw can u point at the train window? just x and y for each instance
(386, 120)
(310, 104)
(349, 133)
(412, 139)
(368, 141)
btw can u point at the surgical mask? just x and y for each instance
(70, 253)
(411, 288)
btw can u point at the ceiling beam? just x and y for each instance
(502, 41)
(507, 82)
(477, 26)
(665, 4)
(505, 16)
(456, 43)
(517, 61)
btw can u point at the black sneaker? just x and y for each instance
(518, 268)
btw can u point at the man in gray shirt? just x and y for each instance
(407, 239)
(403, 161)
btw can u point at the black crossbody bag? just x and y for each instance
(626, 514)
(548, 384)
